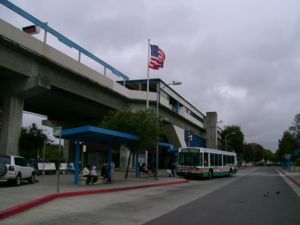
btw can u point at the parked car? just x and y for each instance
(14, 169)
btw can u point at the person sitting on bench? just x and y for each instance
(86, 173)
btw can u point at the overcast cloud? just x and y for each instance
(240, 58)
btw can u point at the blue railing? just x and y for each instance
(61, 37)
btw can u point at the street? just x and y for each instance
(258, 198)
(237, 200)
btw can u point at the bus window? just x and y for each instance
(201, 160)
(205, 159)
(212, 159)
(225, 160)
(190, 159)
(220, 160)
(216, 159)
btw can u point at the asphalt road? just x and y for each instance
(251, 200)
(236, 200)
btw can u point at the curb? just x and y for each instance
(39, 201)
(292, 179)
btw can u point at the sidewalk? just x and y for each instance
(294, 176)
(17, 199)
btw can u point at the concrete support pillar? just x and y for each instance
(1, 120)
(11, 125)
(211, 130)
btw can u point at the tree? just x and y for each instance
(286, 145)
(290, 140)
(254, 152)
(269, 155)
(142, 123)
(248, 153)
(295, 129)
(258, 152)
(234, 139)
(31, 141)
(52, 154)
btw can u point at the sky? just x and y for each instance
(240, 58)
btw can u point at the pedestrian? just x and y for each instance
(142, 168)
(103, 172)
(108, 173)
(150, 169)
(171, 169)
(93, 174)
(86, 173)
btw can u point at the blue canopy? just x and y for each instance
(91, 134)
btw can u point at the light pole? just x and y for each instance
(253, 154)
(158, 89)
(217, 135)
(233, 133)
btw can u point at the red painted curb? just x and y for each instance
(39, 201)
(25, 206)
(292, 179)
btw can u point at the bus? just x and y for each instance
(204, 162)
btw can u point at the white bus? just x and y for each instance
(204, 162)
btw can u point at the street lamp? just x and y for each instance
(174, 83)
(217, 135)
(158, 89)
(253, 154)
(233, 133)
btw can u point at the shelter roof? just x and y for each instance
(91, 134)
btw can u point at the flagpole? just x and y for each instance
(147, 94)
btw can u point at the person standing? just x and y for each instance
(171, 169)
(103, 171)
(108, 173)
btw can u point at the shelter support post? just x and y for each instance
(137, 164)
(110, 159)
(77, 155)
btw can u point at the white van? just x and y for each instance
(14, 169)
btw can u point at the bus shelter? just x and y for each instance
(95, 135)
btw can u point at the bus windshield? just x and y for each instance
(190, 159)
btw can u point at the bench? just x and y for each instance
(82, 180)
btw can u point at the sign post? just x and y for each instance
(57, 133)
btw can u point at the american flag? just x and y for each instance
(157, 58)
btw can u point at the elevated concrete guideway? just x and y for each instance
(38, 78)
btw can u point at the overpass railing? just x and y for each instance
(62, 38)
